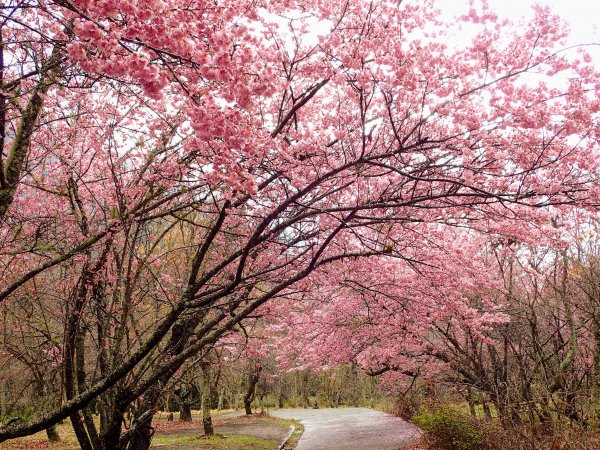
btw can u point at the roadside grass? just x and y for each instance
(221, 442)
(391, 406)
(256, 432)
(292, 442)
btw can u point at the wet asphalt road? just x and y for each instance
(349, 429)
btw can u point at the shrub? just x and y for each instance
(20, 415)
(403, 408)
(449, 429)
(522, 437)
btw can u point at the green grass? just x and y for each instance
(229, 442)
(189, 439)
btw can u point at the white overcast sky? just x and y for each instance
(582, 15)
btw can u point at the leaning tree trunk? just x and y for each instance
(42, 388)
(20, 143)
(72, 331)
(252, 382)
(139, 436)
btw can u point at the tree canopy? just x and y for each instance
(171, 169)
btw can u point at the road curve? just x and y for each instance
(349, 429)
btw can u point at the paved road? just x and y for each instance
(349, 429)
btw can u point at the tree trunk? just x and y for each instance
(596, 372)
(570, 409)
(86, 412)
(221, 401)
(472, 408)
(486, 409)
(21, 141)
(139, 436)
(72, 330)
(3, 391)
(206, 400)
(111, 430)
(252, 382)
(52, 434)
(185, 411)
(185, 407)
(247, 406)
(471, 402)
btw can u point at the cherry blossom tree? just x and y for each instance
(511, 323)
(170, 167)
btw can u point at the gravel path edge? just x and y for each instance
(292, 428)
